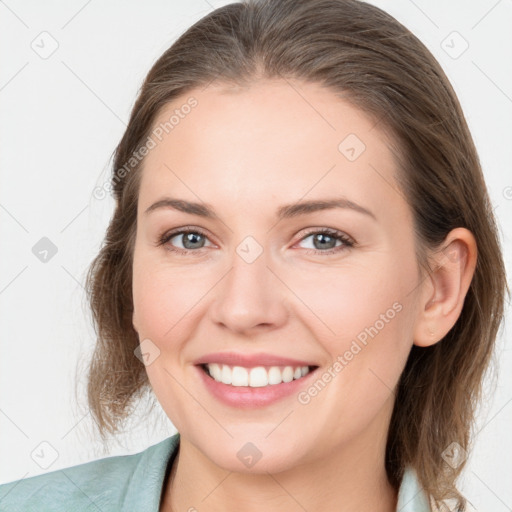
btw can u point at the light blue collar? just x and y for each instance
(411, 496)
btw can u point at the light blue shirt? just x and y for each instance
(131, 483)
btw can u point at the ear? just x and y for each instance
(445, 288)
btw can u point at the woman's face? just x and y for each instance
(256, 276)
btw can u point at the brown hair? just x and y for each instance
(363, 54)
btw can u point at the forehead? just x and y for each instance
(275, 139)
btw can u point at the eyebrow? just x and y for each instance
(283, 212)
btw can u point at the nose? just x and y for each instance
(250, 297)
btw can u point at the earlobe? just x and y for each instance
(446, 286)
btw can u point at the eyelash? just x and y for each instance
(338, 235)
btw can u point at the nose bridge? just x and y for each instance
(250, 294)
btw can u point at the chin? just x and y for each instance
(253, 453)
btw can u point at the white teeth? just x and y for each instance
(239, 376)
(287, 374)
(216, 371)
(274, 375)
(226, 375)
(256, 377)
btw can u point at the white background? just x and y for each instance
(62, 117)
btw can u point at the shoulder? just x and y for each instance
(105, 484)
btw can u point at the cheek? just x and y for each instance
(364, 319)
(342, 303)
(163, 296)
(165, 305)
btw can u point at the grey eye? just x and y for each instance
(190, 240)
(322, 241)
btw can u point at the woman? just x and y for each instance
(304, 267)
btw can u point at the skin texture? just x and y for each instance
(246, 152)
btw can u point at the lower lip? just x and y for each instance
(248, 397)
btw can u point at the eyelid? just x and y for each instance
(347, 240)
(167, 235)
(329, 231)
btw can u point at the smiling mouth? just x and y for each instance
(255, 377)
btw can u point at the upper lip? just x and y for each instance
(250, 360)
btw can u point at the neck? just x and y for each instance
(351, 477)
